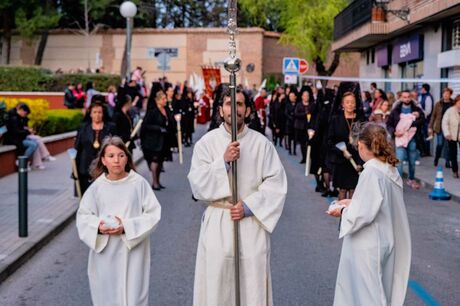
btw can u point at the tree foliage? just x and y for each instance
(305, 24)
(34, 20)
(264, 13)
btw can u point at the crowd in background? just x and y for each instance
(324, 119)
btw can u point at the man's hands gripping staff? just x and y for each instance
(232, 153)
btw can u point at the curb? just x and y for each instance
(29, 250)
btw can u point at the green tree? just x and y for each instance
(36, 17)
(262, 13)
(306, 24)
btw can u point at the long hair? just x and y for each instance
(376, 139)
(97, 167)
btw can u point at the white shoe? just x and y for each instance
(41, 167)
(417, 163)
(50, 158)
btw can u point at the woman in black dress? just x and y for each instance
(123, 121)
(277, 116)
(289, 112)
(340, 130)
(93, 130)
(154, 137)
(303, 120)
(188, 117)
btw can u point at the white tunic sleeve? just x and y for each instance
(268, 201)
(365, 204)
(88, 223)
(139, 228)
(208, 176)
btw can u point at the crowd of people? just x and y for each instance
(119, 210)
(158, 111)
(325, 120)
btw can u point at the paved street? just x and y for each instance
(305, 250)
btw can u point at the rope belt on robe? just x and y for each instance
(224, 203)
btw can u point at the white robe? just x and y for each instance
(262, 185)
(376, 251)
(119, 266)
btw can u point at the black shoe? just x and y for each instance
(156, 188)
(334, 193)
(436, 161)
(325, 194)
(162, 187)
(302, 161)
(294, 153)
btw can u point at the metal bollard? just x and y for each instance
(23, 193)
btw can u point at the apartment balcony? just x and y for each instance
(362, 25)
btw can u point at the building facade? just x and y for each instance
(189, 49)
(401, 39)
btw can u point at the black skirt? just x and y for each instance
(345, 176)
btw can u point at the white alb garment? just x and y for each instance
(262, 186)
(119, 266)
(376, 251)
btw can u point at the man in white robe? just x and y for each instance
(262, 188)
(119, 265)
(376, 251)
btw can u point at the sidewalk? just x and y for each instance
(51, 206)
(426, 173)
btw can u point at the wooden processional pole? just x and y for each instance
(233, 65)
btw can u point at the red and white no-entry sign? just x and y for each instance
(303, 66)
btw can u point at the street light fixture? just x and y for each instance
(128, 10)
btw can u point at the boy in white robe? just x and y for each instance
(119, 257)
(262, 188)
(376, 250)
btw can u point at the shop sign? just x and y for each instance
(408, 49)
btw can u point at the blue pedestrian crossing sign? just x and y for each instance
(291, 65)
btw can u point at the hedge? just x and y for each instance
(61, 121)
(24, 79)
(39, 79)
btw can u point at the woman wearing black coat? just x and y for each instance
(155, 132)
(123, 121)
(92, 132)
(188, 111)
(277, 117)
(290, 131)
(341, 130)
(303, 121)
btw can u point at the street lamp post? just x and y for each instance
(128, 10)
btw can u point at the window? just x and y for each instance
(456, 35)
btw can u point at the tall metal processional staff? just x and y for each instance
(233, 65)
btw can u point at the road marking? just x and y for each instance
(423, 294)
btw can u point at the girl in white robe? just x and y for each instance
(119, 258)
(376, 251)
